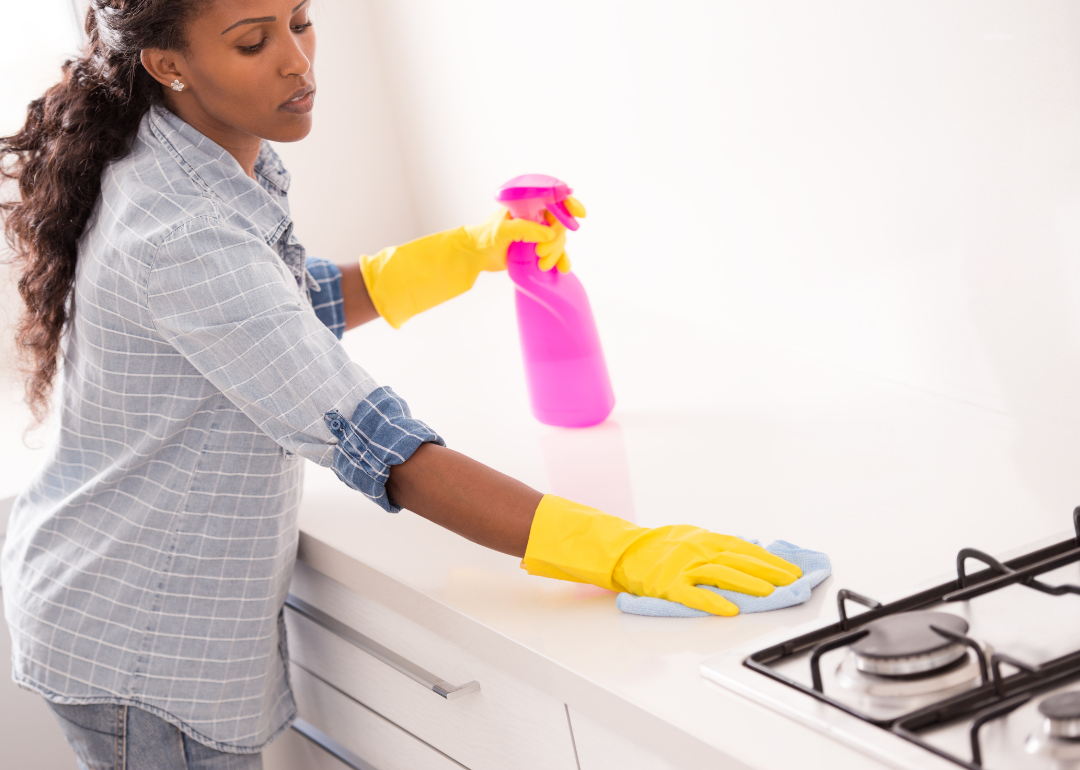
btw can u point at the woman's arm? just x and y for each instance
(401, 281)
(358, 306)
(560, 539)
(465, 497)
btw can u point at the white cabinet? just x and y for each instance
(505, 724)
(370, 742)
(292, 751)
(599, 748)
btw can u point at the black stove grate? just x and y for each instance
(996, 694)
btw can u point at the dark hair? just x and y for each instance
(71, 133)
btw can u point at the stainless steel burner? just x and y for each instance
(1061, 750)
(981, 671)
(954, 679)
(905, 644)
(1062, 715)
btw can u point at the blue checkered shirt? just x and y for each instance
(148, 561)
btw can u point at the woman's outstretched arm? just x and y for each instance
(560, 539)
(466, 497)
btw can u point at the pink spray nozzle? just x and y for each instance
(529, 194)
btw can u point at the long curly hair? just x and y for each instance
(71, 134)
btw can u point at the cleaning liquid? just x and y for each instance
(564, 363)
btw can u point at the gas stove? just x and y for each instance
(982, 671)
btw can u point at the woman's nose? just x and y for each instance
(296, 63)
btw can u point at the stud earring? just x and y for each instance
(176, 85)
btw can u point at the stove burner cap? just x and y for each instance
(904, 644)
(1062, 714)
(1063, 706)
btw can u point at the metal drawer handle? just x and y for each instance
(330, 746)
(376, 650)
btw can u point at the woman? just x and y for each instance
(147, 563)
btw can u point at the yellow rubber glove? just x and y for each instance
(553, 253)
(573, 542)
(405, 280)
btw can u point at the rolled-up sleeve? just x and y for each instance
(327, 299)
(380, 434)
(226, 301)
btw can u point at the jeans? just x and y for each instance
(108, 737)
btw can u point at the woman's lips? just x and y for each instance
(302, 102)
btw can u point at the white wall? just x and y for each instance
(893, 187)
(349, 193)
(40, 35)
(30, 61)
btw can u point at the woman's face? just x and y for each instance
(247, 70)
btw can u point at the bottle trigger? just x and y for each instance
(560, 212)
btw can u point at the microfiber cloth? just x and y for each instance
(814, 564)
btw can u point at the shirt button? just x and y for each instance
(335, 425)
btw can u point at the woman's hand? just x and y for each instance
(401, 281)
(568, 541)
(670, 562)
(491, 239)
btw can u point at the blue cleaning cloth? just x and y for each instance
(814, 564)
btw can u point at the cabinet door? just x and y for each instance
(599, 748)
(506, 724)
(292, 751)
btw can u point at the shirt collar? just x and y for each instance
(270, 168)
(265, 206)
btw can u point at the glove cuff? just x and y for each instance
(569, 541)
(403, 281)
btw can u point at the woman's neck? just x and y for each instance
(240, 144)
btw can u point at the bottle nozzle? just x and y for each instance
(527, 197)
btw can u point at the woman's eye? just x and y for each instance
(297, 28)
(253, 48)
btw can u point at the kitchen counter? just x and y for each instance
(710, 430)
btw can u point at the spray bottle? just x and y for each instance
(564, 363)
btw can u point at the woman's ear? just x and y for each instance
(162, 66)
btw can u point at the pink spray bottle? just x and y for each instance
(564, 363)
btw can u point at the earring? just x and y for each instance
(176, 85)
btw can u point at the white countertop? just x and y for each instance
(722, 433)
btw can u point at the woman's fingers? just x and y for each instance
(756, 567)
(526, 230)
(573, 205)
(728, 578)
(553, 253)
(738, 545)
(560, 261)
(704, 600)
(555, 246)
(557, 260)
(774, 560)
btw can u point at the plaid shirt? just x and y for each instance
(148, 561)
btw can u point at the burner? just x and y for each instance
(903, 645)
(923, 668)
(1062, 714)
